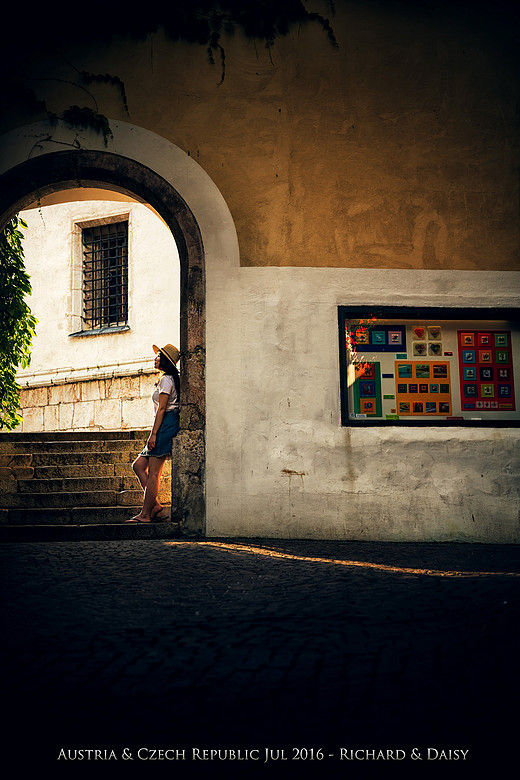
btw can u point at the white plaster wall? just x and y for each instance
(279, 463)
(153, 294)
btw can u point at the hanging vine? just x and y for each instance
(198, 22)
(106, 78)
(17, 325)
(84, 118)
(267, 20)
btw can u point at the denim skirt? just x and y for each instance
(167, 432)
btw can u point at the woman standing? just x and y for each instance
(149, 464)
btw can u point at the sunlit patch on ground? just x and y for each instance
(271, 553)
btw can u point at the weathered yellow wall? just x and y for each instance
(396, 150)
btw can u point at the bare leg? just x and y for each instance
(141, 469)
(155, 468)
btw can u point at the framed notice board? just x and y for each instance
(429, 366)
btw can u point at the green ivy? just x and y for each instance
(17, 325)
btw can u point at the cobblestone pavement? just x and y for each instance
(337, 650)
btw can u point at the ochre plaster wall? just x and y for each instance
(397, 149)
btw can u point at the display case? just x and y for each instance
(425, 366)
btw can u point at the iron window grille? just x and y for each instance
(105, 275)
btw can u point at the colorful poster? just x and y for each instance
(486, 370)
(367, 390)
(423, 389)
(379, 338)
(426, 341)
(428, 370)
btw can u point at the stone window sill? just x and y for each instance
(100, 331)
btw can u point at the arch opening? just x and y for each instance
(54, 172)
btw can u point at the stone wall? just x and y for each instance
(113, 403)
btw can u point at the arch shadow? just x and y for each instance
(53, 172)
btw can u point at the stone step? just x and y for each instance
(91, 461)
(72, 516)
(75, 499)
(80, 458)
(61, 471)
(69, 445)
(77, 484)
(77, 470)
(89, 533)
(73, 435)
(15, 460)
(73, 485)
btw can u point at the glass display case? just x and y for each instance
(429, 366)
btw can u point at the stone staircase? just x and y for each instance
(65, 486)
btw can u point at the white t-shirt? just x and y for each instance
(165, 385)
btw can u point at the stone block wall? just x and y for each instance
(101, 404)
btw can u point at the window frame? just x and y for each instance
(419, 313)
(79, 326)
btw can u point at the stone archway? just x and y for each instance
(52, 171)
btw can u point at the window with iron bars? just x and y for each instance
(105, 275)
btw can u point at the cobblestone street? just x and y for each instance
(243, 645)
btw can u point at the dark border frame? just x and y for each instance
(509, 315)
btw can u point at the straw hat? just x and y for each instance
(171, 352)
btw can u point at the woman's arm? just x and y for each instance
(159, 415)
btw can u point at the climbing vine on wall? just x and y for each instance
(17, 324)
(205, 21)
(84, 118)
(199, 22)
